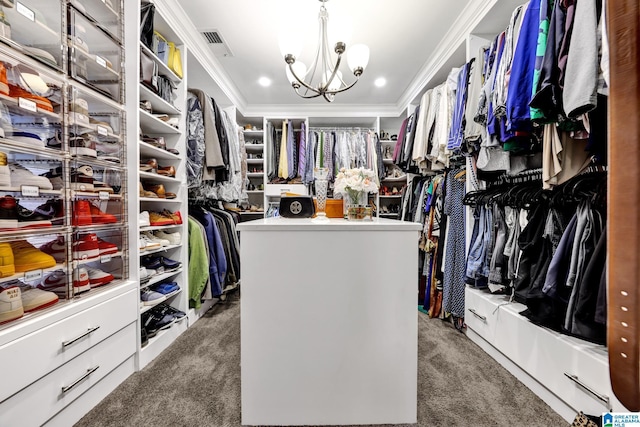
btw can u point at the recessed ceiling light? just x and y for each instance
(264, 81)
(380, 81)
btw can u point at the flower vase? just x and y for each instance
(356, 206)
(321, 182)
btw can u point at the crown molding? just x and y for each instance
(453, 40)
(177, 18)
(325, 110)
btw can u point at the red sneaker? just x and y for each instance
(82, 213)
(107, 248)
(56, 248)
(99, 217)
(86, 247)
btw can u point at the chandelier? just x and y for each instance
(323, 77)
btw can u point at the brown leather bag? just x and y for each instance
(148, 72)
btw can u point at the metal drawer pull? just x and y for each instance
(601, 397)
(484, 319)
(79, 380)
(89, 331)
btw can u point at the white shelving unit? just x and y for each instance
(174, 138)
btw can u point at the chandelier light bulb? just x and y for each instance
(290, 43)
(358, 58)
(299, 68)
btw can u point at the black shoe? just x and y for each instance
(154, 321)
(144, 337)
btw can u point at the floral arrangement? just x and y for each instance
(353, 183)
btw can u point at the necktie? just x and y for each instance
(283, 167)
(302, 153)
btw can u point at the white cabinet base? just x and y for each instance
(328, 322)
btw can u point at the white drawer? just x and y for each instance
(32, 356)
(590, 371)
(42, 400)
(540, 352)
(278, 189)
(481, 314)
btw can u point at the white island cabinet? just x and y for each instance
(329, 322)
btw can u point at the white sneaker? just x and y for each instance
(23, 176)
(10, 303)
(142, 245)
(143, 219)
(149, 235)
(81, 280)
(35, 299)
(148, 243)
(173, 238)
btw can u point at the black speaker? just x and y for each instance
(297, 207)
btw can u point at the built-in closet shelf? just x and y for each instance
(253, 132)
(96, 194)
(160, 227)
(23, 148)
(255, 161)
(160, 277)
(161, 341)
(163, 69)
(392, 179)
(40, 191)
(255, 191)
(13, 102)
(252, 213)
(159, 200)
(388, 215)
(158, 105)
(26, 233)
(255, 174)
(159, 250)
(159, 178)
(387, 141)
(153, 125)
(146, 307)
(393, 196)
(102, 259)
(149, 151)
(254, 147)
(387, 161)
(44, 271)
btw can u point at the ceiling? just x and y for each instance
(402, 36)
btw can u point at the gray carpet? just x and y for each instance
(196, 382)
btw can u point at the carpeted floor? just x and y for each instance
(196, 382)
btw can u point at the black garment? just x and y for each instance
(497, 270)
(584, 317)
(532, 270)
(222, 174)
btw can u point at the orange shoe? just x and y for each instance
(156, 219)
(175, 216)
(41, 102)
(99, 217)
(81, 213)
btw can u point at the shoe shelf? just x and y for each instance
(255, 175)
(158, 105)
(159, 200)
(253, 133)
(392, 196)
(255, 161)
(163, 69)
(387, 161)
(34, 275)
(149, 151)
(22, 105)
(158, 178)
(148, 305)
(157, 278)
(99, 69)
(102, 14)
(252, 213)
(21, 191)
(96, 194)
(159, 250)
(255, 191)
(254, 147)
(153, 125)
(102, 259)
(97, 129)
(160, 227)
(12, 146)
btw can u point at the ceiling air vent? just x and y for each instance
(216, 43)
